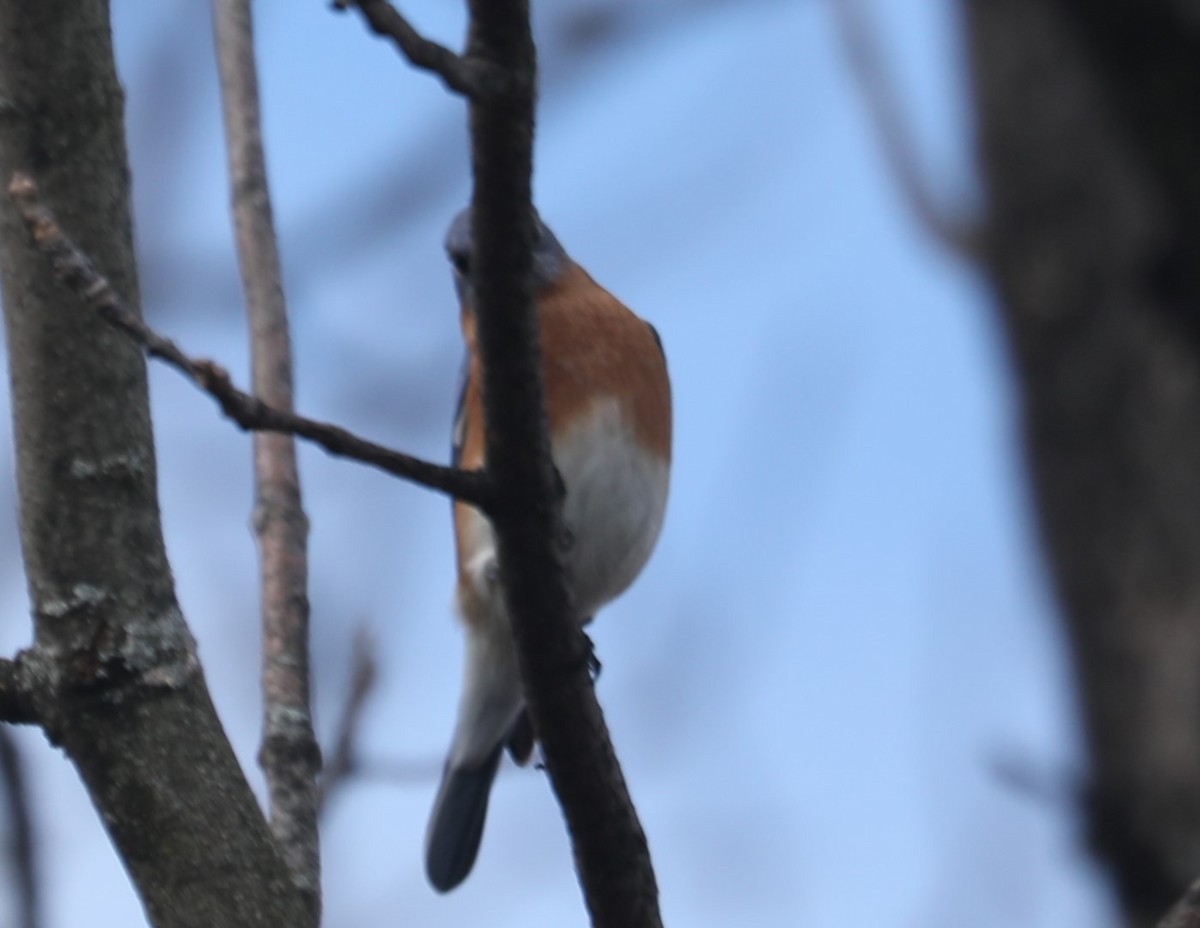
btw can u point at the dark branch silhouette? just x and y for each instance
(77, 272)
(21, 850)
(465, 75)
(610, 847)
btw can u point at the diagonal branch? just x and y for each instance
(463, 74)
(883, 104)
(289, 756)
(21, 850)
(78, 273)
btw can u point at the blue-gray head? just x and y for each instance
(549, 258)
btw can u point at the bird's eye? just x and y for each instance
(462, 262)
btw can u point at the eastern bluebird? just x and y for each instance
(608, 400)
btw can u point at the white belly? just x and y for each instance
(614, 507)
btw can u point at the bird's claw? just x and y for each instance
(593, 662)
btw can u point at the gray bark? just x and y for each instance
(113, 677)
(1089, 143)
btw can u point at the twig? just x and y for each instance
(883, 104)
(77, 272)
(20, 851)
(1025, 778)
(343, 760)
(289, 755)
(405, 771)
(468, 76)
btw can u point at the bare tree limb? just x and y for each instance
(887, 114)
(77, 272)
(343, 760)
(289, 756)
(120, 691)
(395, 770)
(22, 853)
(611, 853)
(468, 76)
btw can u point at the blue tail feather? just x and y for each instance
(456, 826)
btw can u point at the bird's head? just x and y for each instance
(550, 259)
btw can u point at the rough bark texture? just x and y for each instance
(114, 676)
(610, 847)
(1090, 142)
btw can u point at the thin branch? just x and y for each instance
(289, 756)
(887, 113)
(406, 771)
(77, 272)
(468, 76)
(21, 851)
(343, 760)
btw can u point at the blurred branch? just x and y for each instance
(471, 77)
(22, 854)
(1033, 780)
(887, 114)
(76, 270)
(289, 755)
(1087, 140)
(343, 760)
(1186, 912)
(402, 771)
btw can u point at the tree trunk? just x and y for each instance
(1090, 146)
(113, 678)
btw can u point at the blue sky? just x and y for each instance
(846, 629)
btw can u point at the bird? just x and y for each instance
(608, 403)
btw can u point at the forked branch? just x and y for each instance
(468, 76)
